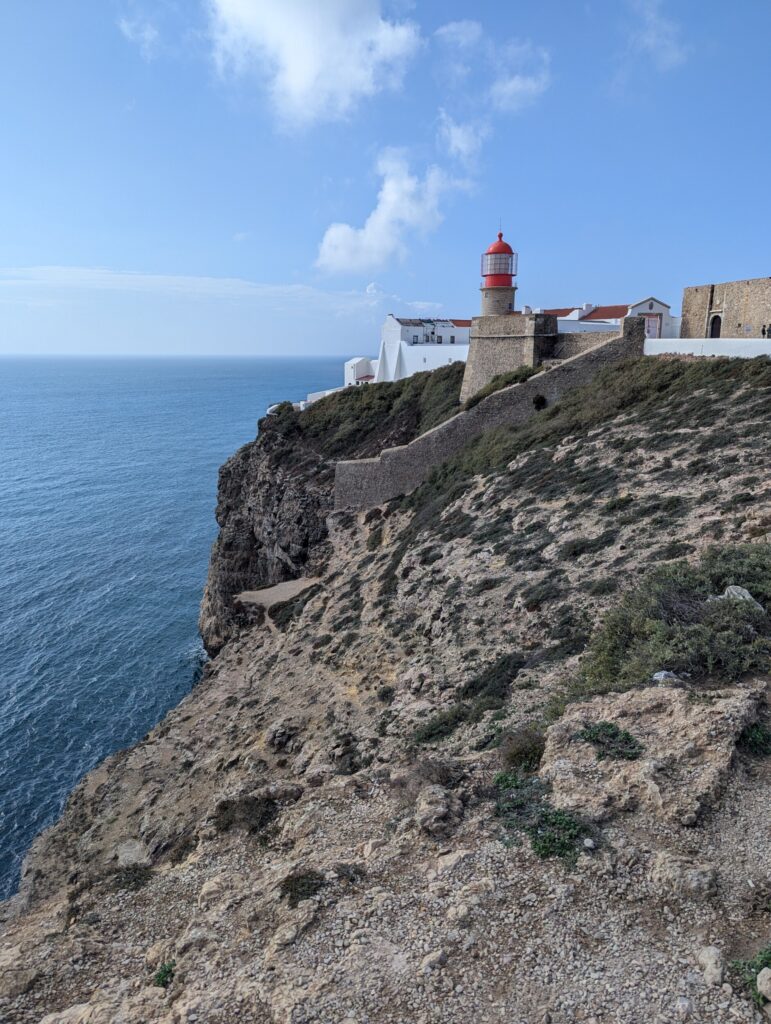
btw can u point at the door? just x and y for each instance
(715, 326)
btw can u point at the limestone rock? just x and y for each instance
(763, 982)
(710, 959)
(132, 853)
(211, 892)
(437, 810)
(682, 875)
(672, 781)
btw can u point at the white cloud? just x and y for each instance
(319, 57)
(522, 75)
(463, 34)
(462, 139)
(405, 203)
(25, 284)
(141, 33)
(657, 35)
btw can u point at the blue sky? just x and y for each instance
(271, 177)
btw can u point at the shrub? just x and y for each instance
(385, 694)
(442, 724)
(522, 805)
(250, 813)
(303, 885)
(522, 748)
(284, 612)
(133, 878)
(610, 741)
(750, 969)
(164, 976)
(756, 740)
(587, 545)
(669, 623)
(500, 381)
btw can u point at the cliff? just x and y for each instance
(449, 782)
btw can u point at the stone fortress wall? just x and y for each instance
(744, 308)
(364, 483)
(500, 344)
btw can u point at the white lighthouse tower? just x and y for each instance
(499, 268)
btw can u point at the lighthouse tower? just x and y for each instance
(499, 268)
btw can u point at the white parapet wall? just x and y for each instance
(742, 348)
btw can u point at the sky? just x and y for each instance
(272, 177)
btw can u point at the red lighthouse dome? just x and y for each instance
(499, 264)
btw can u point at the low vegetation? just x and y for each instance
(500, 381)
(756, 740)
(164, 976)
(486, 691)
(522, 805)
(611, 742)
(672, 621)
(748, 971)
(362, 420)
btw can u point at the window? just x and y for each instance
(452, 339)
(439, 339)
(414, 339)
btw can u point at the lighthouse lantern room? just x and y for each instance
(499, 268)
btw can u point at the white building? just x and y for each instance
(659, 322)
(409, 345)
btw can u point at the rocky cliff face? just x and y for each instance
(445, 784)
(272, 521)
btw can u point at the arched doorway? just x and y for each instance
(714, 327)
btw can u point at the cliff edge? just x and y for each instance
(507, 760)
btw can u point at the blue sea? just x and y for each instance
(108, 477)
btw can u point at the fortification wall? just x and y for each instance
(367, 482)
(500, 344)
(743, 306)
(566, 346)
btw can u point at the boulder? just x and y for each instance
(763, 983)
(687, 747)
(437, 810)
(710, 959)
(682, 875)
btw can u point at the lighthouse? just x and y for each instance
(499, 268)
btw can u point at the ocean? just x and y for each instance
(108, 478)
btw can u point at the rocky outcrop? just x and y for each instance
(684, 747)
(271, 511)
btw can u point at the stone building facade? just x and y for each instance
(734, 309)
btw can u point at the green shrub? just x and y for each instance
(500, 381)
(386, 694)
(164, 976)
(442, 724)
(494, 681)
(669, 623)
(610, 741)
(522, 806)
(749, 970)
(756, 740)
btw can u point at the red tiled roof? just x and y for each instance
(461, 323)
(562, 311)
(607, 313)
(367, 376)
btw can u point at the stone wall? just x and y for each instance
(568, 345)
(368, 482)
(743, 306)
(500, 344)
